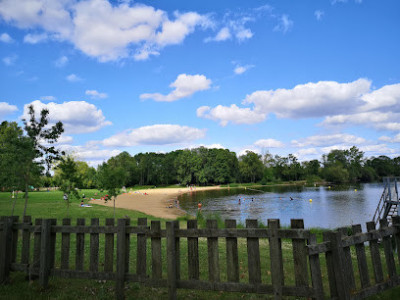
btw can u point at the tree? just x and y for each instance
(250, 166)
(42, 138)
(110, 179)
(69, 178)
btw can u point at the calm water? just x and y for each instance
(330, 207)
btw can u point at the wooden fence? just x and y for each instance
(105, 252)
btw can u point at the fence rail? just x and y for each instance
(155, 256)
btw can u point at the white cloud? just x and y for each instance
(77, 116)
(6, 38)
(159, 134)
(35, 38)
(395, 139)
(284, 25)
(6, 109)
(73, 78)
(319, 14)
(102, 29)
(95, 94)
(328, 140)
(241, 69)
(386, 97)
(269, 143)
(61, 62)
(48, 98)
(310, 99)
(185, 86)
(233, 114)
(10, 60)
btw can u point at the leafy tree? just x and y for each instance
(42, 138)
(70, 178)
(110, 179)
(250, 166)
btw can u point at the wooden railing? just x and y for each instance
(47, 249)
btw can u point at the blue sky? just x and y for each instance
(301, 77)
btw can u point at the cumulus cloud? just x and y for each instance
(343, 139)
(310, 99)
(233, 114)
(127, 29)
(35, 38)
(269, 143)
(185, 86)
(159, 134)
(95, 94)
(233, 27)
(10, 60)
(61, 62)
(284, 25)
(77, 116)
(6, 109)
(73, 78)
(241, 69)
(6, 38)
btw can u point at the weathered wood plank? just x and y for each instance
(121, 256)
(253, 255)
(387, 247)
(315, 269)
(330, 267)
(193, 252)
(156, 261)
(36, 246)
(5, 249)
(141, 250)
(109, 248)
(347, 262)
(94, 247)
(299, 255)
(232, 257)
(213, 257)
(53, 238)
(15, 237)
(26, 241)
(45, 253)
(177, 251)
(275, 249)
(80, 246)
(171, 261)
(65, 246)
(361, 259)
(375, 255)
(396, 224)
(127, 244)
(342, 285)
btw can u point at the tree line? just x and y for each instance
(27, 155)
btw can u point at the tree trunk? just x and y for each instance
(114, 207)
(26, 200)
(13, 206)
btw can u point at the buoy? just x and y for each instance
(355, 190)
(310, 200)
(329, 187)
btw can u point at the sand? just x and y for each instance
(156, 202)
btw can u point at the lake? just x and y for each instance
(331, 207)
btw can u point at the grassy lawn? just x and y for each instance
(52, 205)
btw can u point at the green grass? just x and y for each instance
(51, 205)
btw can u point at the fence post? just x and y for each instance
(171, 261)
(5, 249)
(396, 224)
(26, 240)
(213, 257)
(193, 252)
(315, 269)
(121, 256)
(375, 255)
(15, 220)
(299, 255)
(339, 268)
(141, 265)
(361, 259)
(232, 257)
(275, 249)
(45, 253)
(253, 254)
(156, 258)
(387, 247)
(347, 262)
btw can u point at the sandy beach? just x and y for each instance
(156, 202)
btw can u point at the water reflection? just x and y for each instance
(328, 207)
